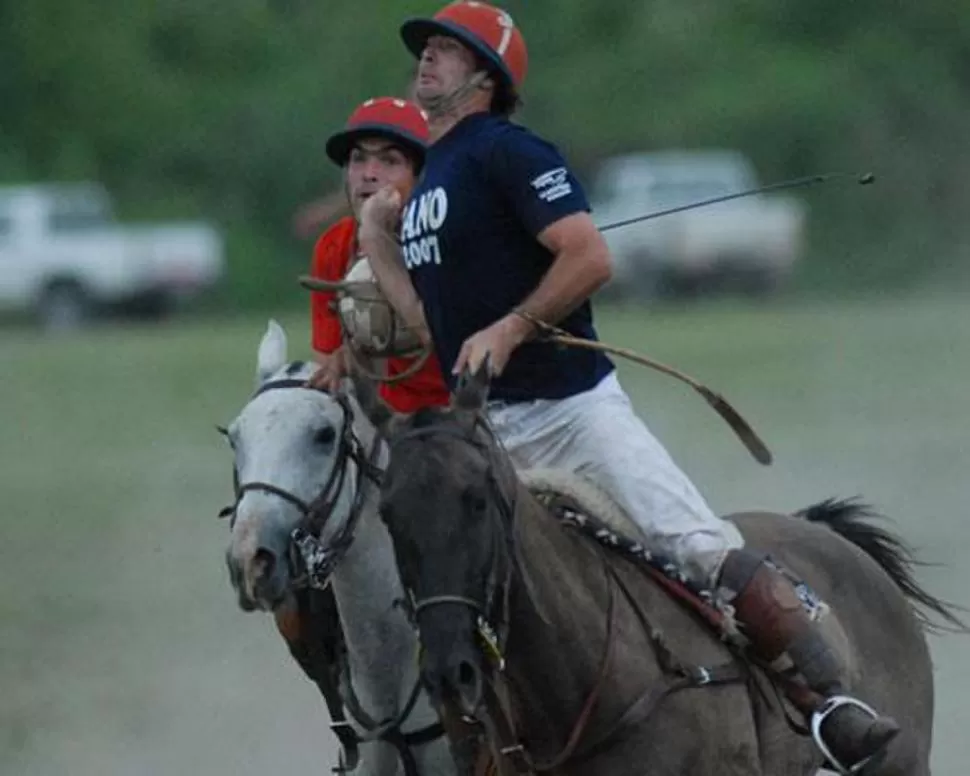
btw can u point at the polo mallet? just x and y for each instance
(809, 180)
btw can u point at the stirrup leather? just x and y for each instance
(830, 705)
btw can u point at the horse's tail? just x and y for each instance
(848, 518)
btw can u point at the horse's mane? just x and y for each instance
(544, 482)
(426, 417)
(531, 489)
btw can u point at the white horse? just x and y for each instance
(300, 453)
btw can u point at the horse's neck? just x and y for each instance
(568, 585)
(380, 641)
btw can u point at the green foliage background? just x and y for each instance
(195, 108)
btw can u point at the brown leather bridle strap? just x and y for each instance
(502, 727)
(509, 756)
(582, 721)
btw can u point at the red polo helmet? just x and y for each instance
(487, 30)
(391, 117)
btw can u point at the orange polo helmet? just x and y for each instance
(487, 30)
(392, 117)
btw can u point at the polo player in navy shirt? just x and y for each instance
(499, 225)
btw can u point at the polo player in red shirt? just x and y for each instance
(383, 143)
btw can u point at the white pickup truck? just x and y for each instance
(750, 244)
(63, 257)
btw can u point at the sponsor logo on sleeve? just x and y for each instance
(552, 185)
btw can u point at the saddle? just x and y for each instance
(582, 505)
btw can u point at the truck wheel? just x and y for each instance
(152, 306)
(737, 277)
(759, 283)
(682, 286)
(63, 307)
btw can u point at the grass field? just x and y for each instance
(121, 648)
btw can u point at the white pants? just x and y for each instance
(597, 434)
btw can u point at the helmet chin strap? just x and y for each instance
(444, 104)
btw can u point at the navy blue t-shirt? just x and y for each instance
(469, 236)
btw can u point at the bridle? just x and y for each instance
(505, 753)
(492, 611)
(491, 617)
(318, 561)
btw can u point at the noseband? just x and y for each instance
(317, 560)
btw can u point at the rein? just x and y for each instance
(325, 662)
(497, 714)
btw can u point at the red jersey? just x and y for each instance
(332, 256)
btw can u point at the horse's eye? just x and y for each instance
(324, 436)
(474, 500)
(386, 511)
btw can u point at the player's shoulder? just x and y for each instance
(520, 150)
(509, 134)
(331, 252)
(337, 234)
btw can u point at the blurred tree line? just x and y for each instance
(202, 109)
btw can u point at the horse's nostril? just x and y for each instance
(467, 674)
(264, 562)
(467, 684)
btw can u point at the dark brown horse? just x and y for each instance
(575, 661)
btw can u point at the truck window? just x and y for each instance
(685, 192)
(76, 214)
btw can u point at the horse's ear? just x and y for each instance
(272, 352)
(364, 391)
(472, 391)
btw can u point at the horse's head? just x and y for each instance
(448, 502)
(296, 454)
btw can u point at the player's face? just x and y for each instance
(373, 164)
(444, 66)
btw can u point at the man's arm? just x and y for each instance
(581, 265)
(379, 243)
(550, 204)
